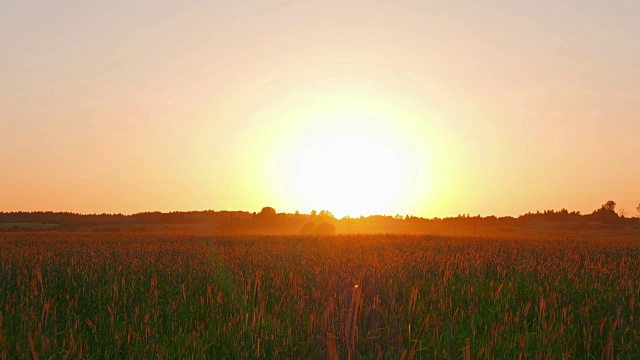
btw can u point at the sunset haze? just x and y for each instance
(428, 108)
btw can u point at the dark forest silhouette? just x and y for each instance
(323, 222)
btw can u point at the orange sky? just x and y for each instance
(359, 107)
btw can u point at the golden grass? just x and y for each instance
(175, 296)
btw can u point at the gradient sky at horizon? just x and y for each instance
(501, 107)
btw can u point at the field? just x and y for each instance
(126, 295)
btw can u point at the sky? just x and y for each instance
(430, 108)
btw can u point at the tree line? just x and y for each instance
(315, 222)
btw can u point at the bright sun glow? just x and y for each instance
(351, 165)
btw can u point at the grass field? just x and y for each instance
(28, 226)
(119, 295)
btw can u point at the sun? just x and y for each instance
(349, 174)
(350, 164)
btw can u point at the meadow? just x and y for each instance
(135, 295)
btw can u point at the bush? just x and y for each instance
(308, 228)
(325, 229)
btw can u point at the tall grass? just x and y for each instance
(172, 296)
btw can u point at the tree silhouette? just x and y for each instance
(607, 212)
(268, 211)
(610, 205)
(326, 214)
